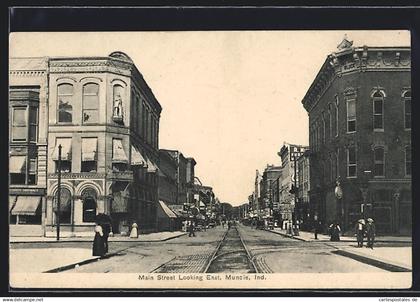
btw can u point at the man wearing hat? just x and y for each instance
(360, 230)
(370, 232)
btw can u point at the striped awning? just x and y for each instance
(12, 200)
(26, 205)
(118, 152)
(89, 149)
(17, 164)
(166, 210)
(65, 149)
(136, 158)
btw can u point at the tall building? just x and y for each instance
(105, 117)
(289, 154)
(359, 108)
(303, 188)
(269, 185)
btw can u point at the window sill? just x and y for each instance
(407, 129)
(350, 132)
(379, 130)
(379, 177)
(351, 177)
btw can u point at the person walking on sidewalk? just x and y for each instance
(98, 242)
(191, 229)
(360, 232)
(335, 232)
(370, 233)
(316, 227)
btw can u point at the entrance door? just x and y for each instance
(383, 219)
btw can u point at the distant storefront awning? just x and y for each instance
(12, 200)
(118, 152)
(178, 210)
(151, 166)
(65, 149)
(26, 205)
(89, 149)
(166, 211)
(17, 164)
(136, 158)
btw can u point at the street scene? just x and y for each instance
(229, 154)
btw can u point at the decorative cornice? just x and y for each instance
(353, 60)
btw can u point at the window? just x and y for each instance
(65, 154)
(378, 111)
(90, 103)
(118, 94)
(351, 115)
(89, 210)
(379, 161)
(144, 121)
(65, 205)
(330, 124)
(407, 109)
(351, 162)
(323, 128)
(89, 155)
(32, 175)
(17, 169)
(19, 124)
(338, 164)
(33, 124)
(408, 160)
(65, 103)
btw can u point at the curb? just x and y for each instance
(91, 240)
(371, 261)
(287, 236)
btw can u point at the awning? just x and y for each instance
(118, 153)
(17, 164)
(65, 149)
(26, 205)
(136, 158)
(89, 149)
(178, 209)
(151, 167)
(167, 210)
(12, 200)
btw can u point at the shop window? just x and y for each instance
(378, 110)
(65, 205)
(379, 161)
(351, 162)
(90, 103)
(407, 109)
(351, 115)
(19, 124)
(408, 160)
(65, 103)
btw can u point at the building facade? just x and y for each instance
(105, 117)
(271, 177)
(303, 188)
(28, 134)
(359, 108)
(289, 154)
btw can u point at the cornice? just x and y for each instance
(356, 60)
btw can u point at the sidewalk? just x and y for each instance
(309, 236)
(42, 260)
(394, 259)
(152, 237)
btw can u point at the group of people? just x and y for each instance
(102, 231)
(362, 230)
(367, 230)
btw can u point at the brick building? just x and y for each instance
(106, 118)
(271, 178)
(359, 108)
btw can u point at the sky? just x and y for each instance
(230, 99)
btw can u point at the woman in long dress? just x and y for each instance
(98, 242)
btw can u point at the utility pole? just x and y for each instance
(58, 193)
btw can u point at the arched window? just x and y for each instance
(378, 110)
(90, 103)
(379, 161)
(89, 197)
(407, 109)
(65, 103)
(65, 205)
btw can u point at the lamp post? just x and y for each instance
(58, 193)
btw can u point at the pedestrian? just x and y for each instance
(223, 224)
(335, 232)
(191, 229)
(229, 224)
(370, 233)
(316, 227)
(360, 231)
(98, 242)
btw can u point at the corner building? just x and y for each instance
(106, 119)
(359, 108)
